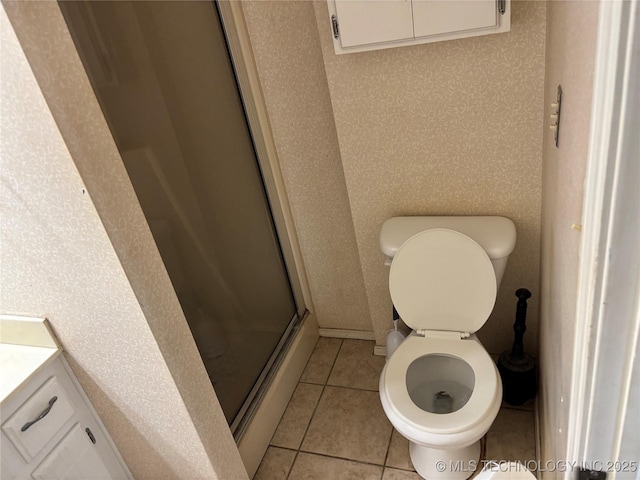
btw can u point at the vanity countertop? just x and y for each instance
(27, 345)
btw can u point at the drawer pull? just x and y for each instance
(44, 413)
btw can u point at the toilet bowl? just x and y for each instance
(440, 388)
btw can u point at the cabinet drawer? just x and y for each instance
(38, 419)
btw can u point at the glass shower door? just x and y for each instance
(162, 74)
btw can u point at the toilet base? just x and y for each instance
(450, 464)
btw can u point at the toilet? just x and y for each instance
(440, 388)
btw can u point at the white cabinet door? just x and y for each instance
(366, 25)
(436, 17)
(56, 444)
(74, 458)
(364, 22)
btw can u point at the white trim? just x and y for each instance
(591, 225)
(608, 322)
(380, 350)
(239, 42)
(354, 334)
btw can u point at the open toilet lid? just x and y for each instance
(442, 280)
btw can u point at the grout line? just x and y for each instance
(333, 364)
(306, 430)
(297, 450)
(363, 462)
(352, 388)
(334, 361)
(386, 456)
(295, 457)
(312, 383)
(283, 448)
(315, 409)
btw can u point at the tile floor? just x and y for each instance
(334, 426)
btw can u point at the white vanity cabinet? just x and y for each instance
(361, 25)
(48, 428)
(50, 431)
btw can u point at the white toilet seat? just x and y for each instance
(442, 280)
(483, 396)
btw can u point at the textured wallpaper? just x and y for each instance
(449, 128)
(287, 51)
(571, 45)
(76, 249)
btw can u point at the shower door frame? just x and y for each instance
(243, 63)
(248, 83)
(272, 185)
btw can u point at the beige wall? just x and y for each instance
(450, 128)
(446, 128)
(571, 42)
(440, 129)
(76, 249)
(289, 61)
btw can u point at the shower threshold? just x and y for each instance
(252, 402)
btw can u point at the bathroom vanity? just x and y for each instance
(49, 429)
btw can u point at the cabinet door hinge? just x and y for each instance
(502, 6)
(334, 25)
(90, 435)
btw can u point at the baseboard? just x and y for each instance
(380, 350)
(254, 442)
(339, 333)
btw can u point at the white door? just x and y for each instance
(434, 17)
(364, 22)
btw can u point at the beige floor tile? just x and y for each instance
(318, 467)
(357, 366)
(297, 416)
(393, 474)
(350, 424)
(512, 436)
(275, 464)
(321, 361)
(398, 455)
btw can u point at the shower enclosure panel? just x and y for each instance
(164, 79)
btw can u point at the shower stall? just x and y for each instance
(166, 84)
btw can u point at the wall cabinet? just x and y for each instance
(50, 431)
(361, 25)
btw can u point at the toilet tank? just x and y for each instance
(497, 235)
